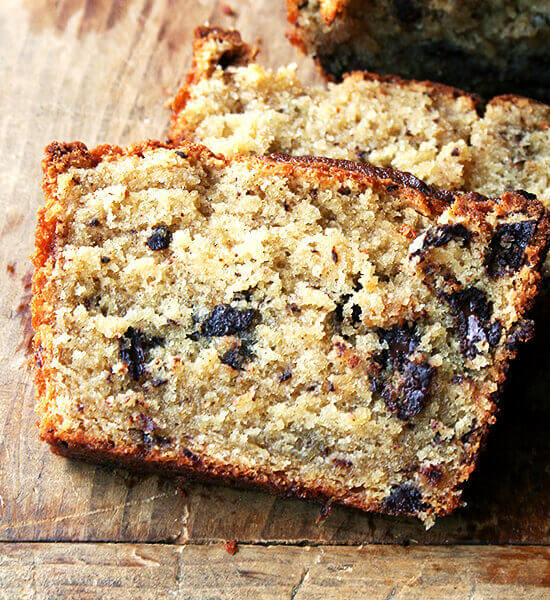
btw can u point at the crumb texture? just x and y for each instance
(286, 320)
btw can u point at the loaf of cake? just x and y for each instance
(490, 47)
(440, 134)
(319, 328)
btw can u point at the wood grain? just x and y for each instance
(101, 71)
(129, 571)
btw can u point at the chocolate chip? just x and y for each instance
(466, 437)
(403, 384)
(160, 440)
(133, 348)
(455, 152)
(190, 455)
(401, 342)
(104, 260)
(245, 295)
(404, 499)
(226, 320)
(522, 333)
(361, 155)
(411, 394)
(93, 222)
(338, 312)
(160, 238)
(285, 376)
(147, 432)
(407, 11)
(526, 195)
(235, 357)
(181, 154)
(338, 317)
(472, 313)
(443, 234)
(334, 255)
(494, 333)
(432, 473)
(146, 422)
(506, 250)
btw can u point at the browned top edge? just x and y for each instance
(520, 101)
(539, 111)
(236, 53)
(400, 178)
(441, 89)
(437, 198)
(61, 156)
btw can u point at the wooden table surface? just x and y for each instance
(101, 71)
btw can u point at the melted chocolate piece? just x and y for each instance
(443, 234)
(523, 332)
(160, 238)
(404, 499)
(235, 357)
(403, 384)
(226, 320)
(506, 252)
(411, 394)
(432, 473)
(401, 341)
(133, 349)
(285, 376)
(473, 312)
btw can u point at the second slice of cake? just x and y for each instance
(320, 328)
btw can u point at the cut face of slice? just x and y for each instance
(317, 327)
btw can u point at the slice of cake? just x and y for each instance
(440, 134)
(319, 328)
(491, 47)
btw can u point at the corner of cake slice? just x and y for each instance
(316, 327)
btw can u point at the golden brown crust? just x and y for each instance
(189, 465)
(229, 50)
(520, 101)
(431, 87)
(61, 157)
